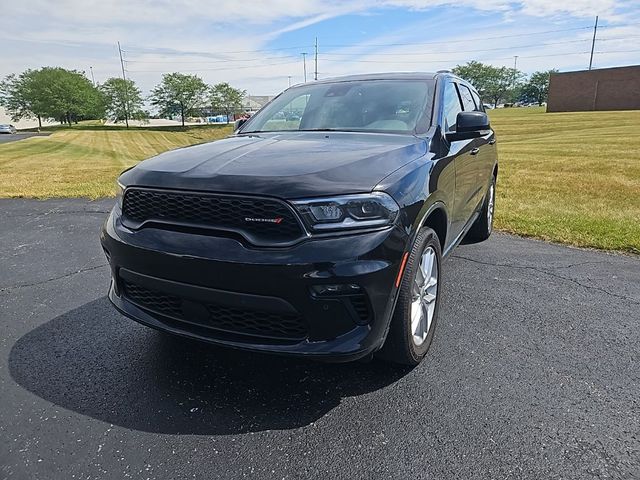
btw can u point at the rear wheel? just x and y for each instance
(483, 226)
(414, 319)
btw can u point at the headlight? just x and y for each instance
(349, 211)
(119, 193)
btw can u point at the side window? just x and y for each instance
(451, 107)
(476, 98)
(467, 98)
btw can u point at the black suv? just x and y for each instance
(318, 229)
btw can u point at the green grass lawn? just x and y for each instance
(84, 161)
(570, 177)
(566, 177)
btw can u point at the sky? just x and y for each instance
(258, 45)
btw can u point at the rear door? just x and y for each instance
(464, 160)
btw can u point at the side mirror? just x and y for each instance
(469, 125)
(238, 123)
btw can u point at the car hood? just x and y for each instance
(286, 165)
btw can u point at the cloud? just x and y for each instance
(240, 42)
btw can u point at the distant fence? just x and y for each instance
(603, 89)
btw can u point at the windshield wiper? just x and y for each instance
(320, 130)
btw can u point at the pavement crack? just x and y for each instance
(53, 279)
(551, 273)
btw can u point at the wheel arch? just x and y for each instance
(437, 219)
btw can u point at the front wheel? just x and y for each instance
(414, 319)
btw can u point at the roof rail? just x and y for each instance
(444, 71)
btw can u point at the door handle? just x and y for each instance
(492, 141)
(474, 151)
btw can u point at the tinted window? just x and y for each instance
(451, 107)
(467, 99)
(476, 98)
(370, 105)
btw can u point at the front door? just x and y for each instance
(464, 153)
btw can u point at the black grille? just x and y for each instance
(161, 302)
(361, 306)
(228, 319)
(212, 211)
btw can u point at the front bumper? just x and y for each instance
(218, 290)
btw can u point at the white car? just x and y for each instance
(8, 129)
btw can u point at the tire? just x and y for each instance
(483, 226)
(401, 345)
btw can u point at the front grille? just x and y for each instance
(220, 317)
(213, 211)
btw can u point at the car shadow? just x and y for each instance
(93, 361)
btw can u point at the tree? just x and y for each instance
(123, 99)
(226, 99)
(179, 93)
(537, 87)
(503, 83)
(495, 83)
(19, 99)
(51, 92)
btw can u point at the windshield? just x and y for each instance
(371, 105)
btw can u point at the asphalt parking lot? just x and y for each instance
(534, 373)
(13, 137)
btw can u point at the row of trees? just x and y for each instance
(502, 84)
(68, 96)
(64, 95)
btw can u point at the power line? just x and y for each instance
(463, 51)
(439, 61)
(164, 52)
(218, 69)
(172, 62)
(463, 40)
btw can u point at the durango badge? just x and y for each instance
(265, 220)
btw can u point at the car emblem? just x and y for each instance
(264, 220)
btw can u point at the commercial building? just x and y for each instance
(603, 89)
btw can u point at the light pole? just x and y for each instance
(304, 65)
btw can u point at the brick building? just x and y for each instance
(603, 89)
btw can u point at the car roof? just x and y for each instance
(383, 76)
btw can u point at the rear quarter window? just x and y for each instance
(476, 98)
(467, 99)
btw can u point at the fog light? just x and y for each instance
(340, 289)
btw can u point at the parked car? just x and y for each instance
(8, 129)
(325, 240)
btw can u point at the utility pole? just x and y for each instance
(304, 65)
(515, 69)
(315, 74)
(289, 78)
(126, 93)
(593, 42)
(93, 80)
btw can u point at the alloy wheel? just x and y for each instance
(424, 296)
